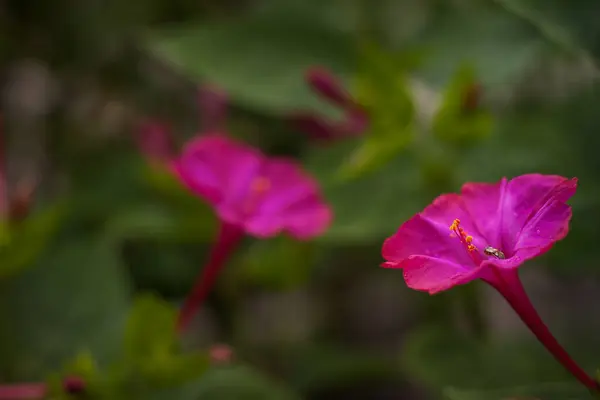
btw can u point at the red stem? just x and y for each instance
(509, 285)
(229, 236)
(21, 391)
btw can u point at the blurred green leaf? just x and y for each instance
(150, 331)
(384, 92)
(461, 118)
(152, 348)
(499, 46)
(542, 391)
(570, 28)
(23, 242)
(237, 382)
(441, 358)
(277, 264)
(260, 60)
(169, 212)
(317, 367)
(367, 208)
(73, 298)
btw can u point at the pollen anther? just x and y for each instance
(462, 235)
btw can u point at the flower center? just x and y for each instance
(258, 187)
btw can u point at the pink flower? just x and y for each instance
(487, 232)
(355, 120)
(251, 193)
(154, 141)
(262, 195)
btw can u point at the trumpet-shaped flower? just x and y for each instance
(262, 195)
(251, 193)
(487, 232)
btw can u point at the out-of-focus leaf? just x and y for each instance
(461, 118)
(236, 382)
(367, 208)
(174, 214)
(260, 60)
(319, 366)
(279, 263)
(442, 359)
(150, 330)
(23, 243)
(151, 345)
(73, 298)
(541, 391)
(570, 28)
(499, 46)
(384, 93)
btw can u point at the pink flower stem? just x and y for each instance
(509, 285)
(20, 391)
(228, 238)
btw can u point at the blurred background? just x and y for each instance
(98, 245)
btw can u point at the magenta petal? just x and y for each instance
(524, 196)
(217, 168)
(434, 275)
(484, 201)
(421, 236)
(293, 204)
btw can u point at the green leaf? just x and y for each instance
(316, 367)
(260, 60)
(151, 346)
(368, 208)
(169, 213)
(73, 298)
(384, 93)
(545, 391)
(461, 119)
(441, 359)
(237, 382)
(150, 331)
(498, 45)
(22, 244)
(279, 263)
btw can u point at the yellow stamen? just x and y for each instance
(462, 235)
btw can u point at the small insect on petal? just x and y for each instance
(491, 251)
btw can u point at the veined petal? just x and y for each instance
(435, 275)
(524, 197)
(485, 201)
(424, 237)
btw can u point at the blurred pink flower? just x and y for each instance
(494, 229)
(355, 120)
(263, 195)
(251, 193)
(154, 141)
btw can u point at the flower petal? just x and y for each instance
(525, 196)
(549, 224)
(434, 275)
(484, 201)
(420, 236)
(293, 204)
(218, 169)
